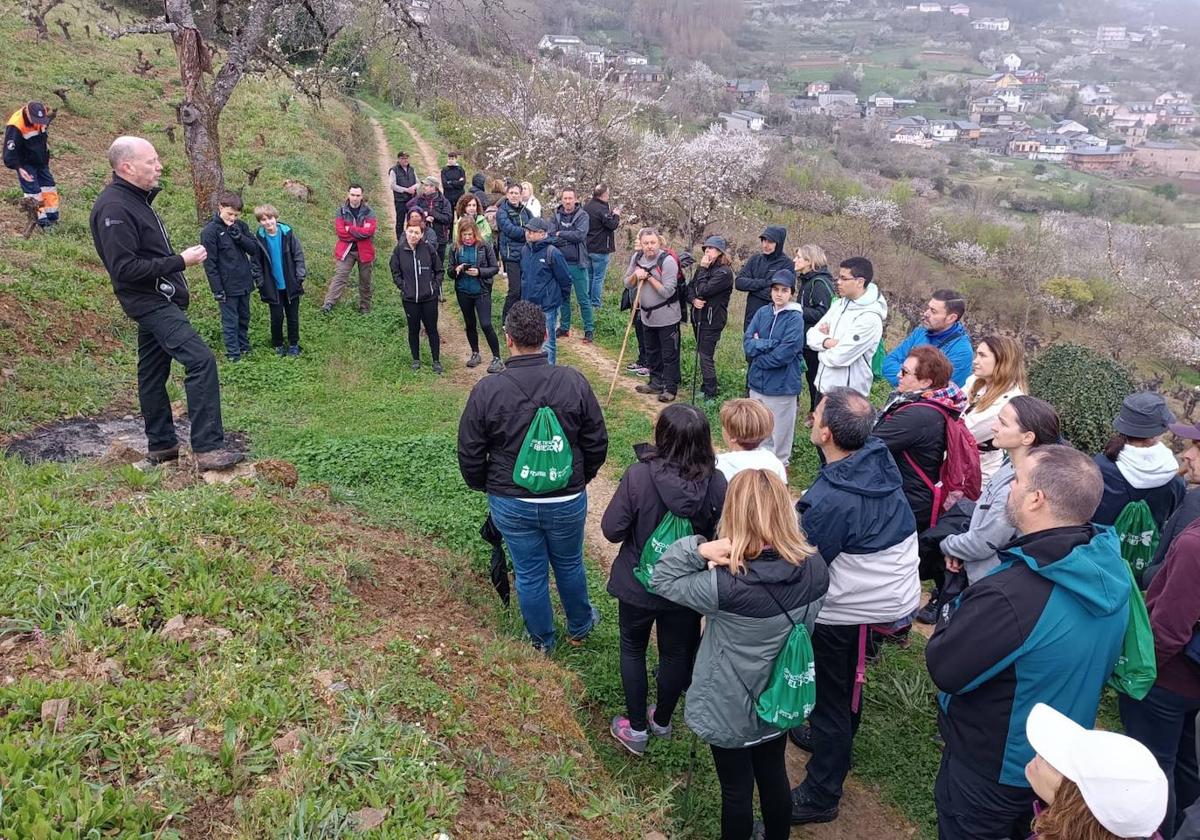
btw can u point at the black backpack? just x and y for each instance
(680, 296)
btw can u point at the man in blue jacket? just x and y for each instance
(545, 278)
(941, 326)
(1046, 626)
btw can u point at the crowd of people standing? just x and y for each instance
(962, 479)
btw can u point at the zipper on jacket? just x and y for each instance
(170, 250)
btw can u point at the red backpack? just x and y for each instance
(961, 477)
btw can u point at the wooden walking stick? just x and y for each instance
(625, 341)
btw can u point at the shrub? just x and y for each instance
(1085, 388)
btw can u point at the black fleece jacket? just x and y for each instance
(713, 285)
(500, 409)
(755, 276)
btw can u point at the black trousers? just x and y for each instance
(513, 269)
(706, 348)
(235, 324)
(477, 315)
(639, 332)
(810, 375)
(423, 313)
(834, 725)
(678, 639)
(738, 772)
(662, 357)
(289, 309)
(163, 335)
(971, 807)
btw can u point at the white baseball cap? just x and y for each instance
(1120, 780)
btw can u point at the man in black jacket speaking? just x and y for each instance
(147, 277)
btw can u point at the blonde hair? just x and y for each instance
(262, 211)
(1069, 818)
(758, 513)
(1009, 372)
(814, 255)
(746, 422)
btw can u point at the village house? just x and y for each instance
(880, 102)
(638, 75)
(632, 59)
(961, 9)
(750, 90)
(911, 137)
(1112, 36)
(742, 121)
(1052, 147)
(984, 107)
(1179, 118)
(837, 97)
(567, 43)
(1174, 160)
(1070, 128)
(1173, 97)
(990, 24)
(1012, 62)
(1100, 159)
(1023, 146)
(929, 7)
(814, 89)
(593, 55)
(1013, 100)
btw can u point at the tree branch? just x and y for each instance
(252, 35)
(158, 26)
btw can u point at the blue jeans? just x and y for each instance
(599, 268)
(235, 325)
(580, 282)
(540, 537)
(550, 345)
(1166, 723)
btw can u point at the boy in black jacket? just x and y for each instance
(233, 269)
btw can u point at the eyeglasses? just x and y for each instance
(906, 372)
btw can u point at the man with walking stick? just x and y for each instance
(708, 294)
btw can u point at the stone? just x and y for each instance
(175, 629)
(242, 470)
(369, 818)
(324, 678)
(655, 835)
(289, 742)
(277, 472)
(120, 452)
(297, 190)
(54, 712)
(185, 735)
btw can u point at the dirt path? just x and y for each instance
(429, 158)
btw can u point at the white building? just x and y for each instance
(929, 7)
(1111, 35)
(961, 9)
(944, 131)
(566, 43)
(593, 55)
(1012, 62)
(742, 120)
(989, 24)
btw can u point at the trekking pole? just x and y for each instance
(696, 357)
(625, 341)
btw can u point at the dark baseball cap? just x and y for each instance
(537, 224)
(401, 153)
(37, 113)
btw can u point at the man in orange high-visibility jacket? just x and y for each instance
(26, 150)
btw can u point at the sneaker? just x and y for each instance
(294, 350)
(801, 736)
(562, 333)
(928, 614)
(578, 640)
(632, 367)
(218, 459)
(642, 370)
(666, 396)
(416, 364)
(437, 368)
(474, 360)
(655, 729)
(161, 456)
(496, 366)
(647, 389)
(326, 309)
(233, 358)
(280, 350)
(805, 811)
(629, 737)
(588, 337)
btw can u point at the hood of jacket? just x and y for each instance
(871, 301)
(869, 472)
(1093, 571)
(280, 227)
(478, 181)
(820, 273)
(1146, 467)
(778, 235)
(683, 496)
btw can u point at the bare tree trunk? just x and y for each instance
(198, 113)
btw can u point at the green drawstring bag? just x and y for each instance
(1136, 668)
(1138, 533)
(544, 462)
(670, 529)
(877, 361)
(791, 691)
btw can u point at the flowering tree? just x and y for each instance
(686, 184)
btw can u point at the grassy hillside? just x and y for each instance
(255, 661)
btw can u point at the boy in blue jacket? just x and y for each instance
(774, 344)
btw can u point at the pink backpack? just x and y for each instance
(961, 476)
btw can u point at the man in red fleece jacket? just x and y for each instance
(1165, 720)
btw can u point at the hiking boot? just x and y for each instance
(161, 456)
(496, 366)
(294, 350)
(416, 364)
(280, 350)
(629, 737)
(218, 459)
(655, 729)
(562, 333)
(647, 389)
(801, 736)
(588, 337)
(806, 811)
(437, 368)
(474, 360)
(666, 396)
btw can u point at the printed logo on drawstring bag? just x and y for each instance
(544, 462)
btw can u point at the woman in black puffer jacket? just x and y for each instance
(708, 294)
